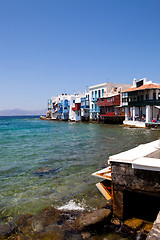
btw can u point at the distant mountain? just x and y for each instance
(20, 112)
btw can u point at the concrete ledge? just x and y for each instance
(134, 124)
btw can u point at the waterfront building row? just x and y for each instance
(137, 104)
(102, 102)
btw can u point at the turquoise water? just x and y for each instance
(72, 150)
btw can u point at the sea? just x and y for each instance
(50, 163)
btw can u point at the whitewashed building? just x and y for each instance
(142, 103)
(102, 90)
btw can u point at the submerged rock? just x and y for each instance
(95, 217)
(46, 170)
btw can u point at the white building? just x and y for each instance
(101, 91)
(142, 103)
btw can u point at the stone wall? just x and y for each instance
(125, 178)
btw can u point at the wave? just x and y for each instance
(73, 205)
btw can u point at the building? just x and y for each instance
(103, 99)
(111, 110)
(85, 107)
(132, 181)
(60, 107)
(96, 92)
(75, 108)
(141, 102)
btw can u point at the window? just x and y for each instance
(102, 92)
(154, 95)
(147, 96)
(99, 93)
(95, 94)
(92, 94)
(73, 101)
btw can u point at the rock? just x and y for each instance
(49, 216)
(51, 229)
(92, 218)
(116, 221)
(154, 234)
(45, 236)
(5, 230)
(85, 235)
(148, 226)
(24, 223)
(46, 170)
(134, 223)
(24, 219)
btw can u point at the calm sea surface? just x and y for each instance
(72, 150)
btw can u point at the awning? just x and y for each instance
(157, 107)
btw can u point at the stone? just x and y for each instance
(85, 235)
(92, 218)
(46, 170)
(148, 226)
(118, 204)
(116, 221)
(45, 236)
(134, 223)
(4, 230)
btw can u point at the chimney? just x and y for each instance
(144, 80)
(134, 82)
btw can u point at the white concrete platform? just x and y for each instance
(139, 158)
(134, 123)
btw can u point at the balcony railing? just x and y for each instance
(150, 102)
(94, 110)
(85, 106)
(94, 99)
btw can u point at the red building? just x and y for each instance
(110, 109)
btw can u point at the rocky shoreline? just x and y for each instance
(53, 224)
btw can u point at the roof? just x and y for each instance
(145, 156)
(143, 87)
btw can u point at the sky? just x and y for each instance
(48, 47)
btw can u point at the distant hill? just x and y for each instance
(20, 112)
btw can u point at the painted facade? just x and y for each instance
(142, 103)
(106, 101)
(85, 107)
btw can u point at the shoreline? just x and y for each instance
(51, 223)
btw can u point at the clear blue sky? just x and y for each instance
(51, 46)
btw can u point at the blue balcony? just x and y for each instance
(95, 110)
(94, 99)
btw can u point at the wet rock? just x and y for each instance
(49, 216)
(116, 221)
(51, 229)
(24, 224)
(45, 236)
(85, 235)
(147, 227)
(5, 230)
(37, 225)
(134, 223)
(24, 219)
(92, 218)
(46, 170)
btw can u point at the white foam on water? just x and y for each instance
(72, 205)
